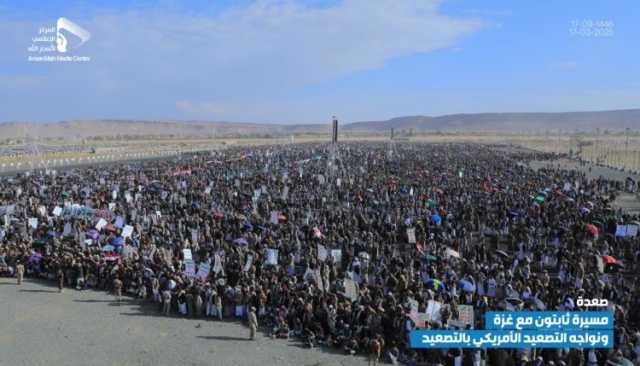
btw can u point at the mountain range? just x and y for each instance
(472, 122)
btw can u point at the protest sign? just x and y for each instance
(420, 319)
(67, 229)
(187, 254)
(411, 234)
(33, 222)
(203, 270)
(7, 209)
(248, 264)
(189, 268)
(272, 257)
(127, 231)
(350, 289)
(465, 317)
(337, 255)
(57, 211)
(274, 217)
(322, 253)
(451, 253)
(217, 264)
(433, 310)
(100, 224)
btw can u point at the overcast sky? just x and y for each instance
(304, 61)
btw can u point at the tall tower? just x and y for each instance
(332, 163)
(334, 135)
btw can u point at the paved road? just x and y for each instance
(39, 326)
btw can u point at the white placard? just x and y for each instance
(101, 223)
(127, 231)
(337, 255)
(247, 265)
(411, 234)
(272, 257)
(322, 253)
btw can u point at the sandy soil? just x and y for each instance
(39, 326)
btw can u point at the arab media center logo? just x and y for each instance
(69, 36)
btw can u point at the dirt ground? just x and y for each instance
(39, 326)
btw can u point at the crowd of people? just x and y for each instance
(349, 246)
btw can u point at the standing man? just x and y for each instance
(253, 323)
(166, 302)
(60, 279)
(117, 286)
(376, 349)
(19, 272)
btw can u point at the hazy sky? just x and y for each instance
(303, 61)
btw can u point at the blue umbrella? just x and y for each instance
(467, 286)
(436, 218)
(241, 241)
(119, 241)
(35, 258)
(435, 284)
(119, 222)
(93, 233)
